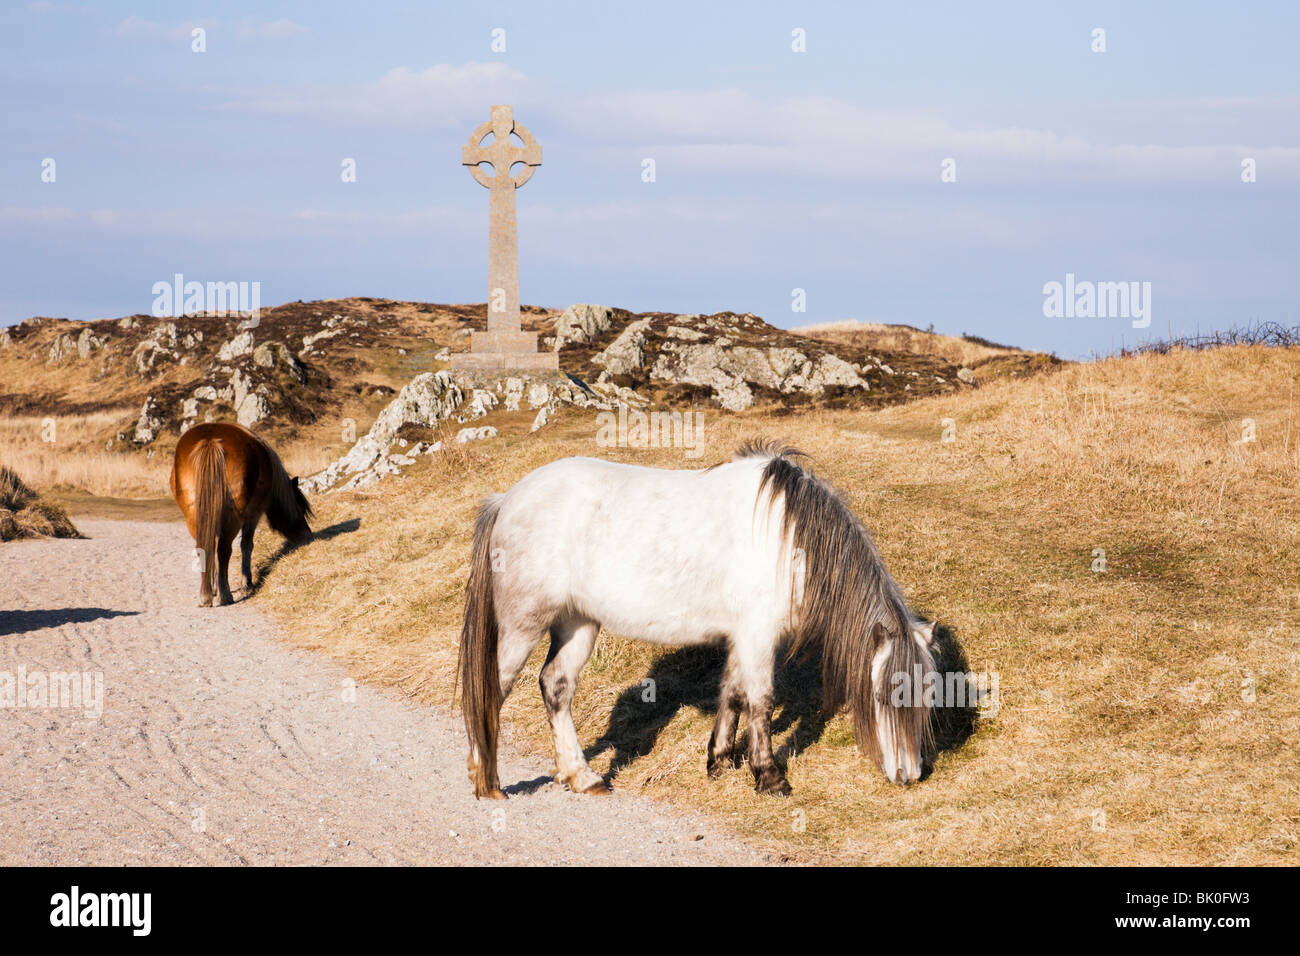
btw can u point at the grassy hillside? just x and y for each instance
(989, 359)
(1147, 713)
(98, 406)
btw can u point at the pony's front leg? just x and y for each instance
(755, 657)
(722, 742)
(246, 554)
(571, 645)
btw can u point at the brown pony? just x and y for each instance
(225, 478)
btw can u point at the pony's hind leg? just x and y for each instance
(514, 645)
(223, 569)
(722, 742)
(572, 641)
(205, 589)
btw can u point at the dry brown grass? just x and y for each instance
(904, 338)
(65, 451)
(64, 454)
(1161, 693)
(24, 514)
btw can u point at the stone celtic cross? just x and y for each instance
(504, 344)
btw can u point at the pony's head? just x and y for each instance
(289, 510)
(900, 726)
(877, 658)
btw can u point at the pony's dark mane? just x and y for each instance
(851, 606)
(288, 506)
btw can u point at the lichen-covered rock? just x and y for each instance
(732, 371)
(711, 366)
(466, 435)
(481, 402)
(684, 333)
(580, 324)
(249, 399)
(159, 345)
(626, 354)
(87, 343)
(277, 355)
(966, 375)
(63, 348)
(238, 347)
(514, 393)
(427, 399)
(148, 424)
(538, 395)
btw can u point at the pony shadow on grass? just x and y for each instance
(690, 677)
(263, 569)
(24, 622)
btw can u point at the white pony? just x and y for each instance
(744, 555)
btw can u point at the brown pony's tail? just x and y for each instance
(209, 460)
(477, 670)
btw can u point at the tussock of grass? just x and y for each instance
(1148, 713)
(23, 514)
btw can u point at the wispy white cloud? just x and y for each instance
(270, 29)
(248, 28)
(136, 27)
(35, 215)
(812, 135)
(441, 94)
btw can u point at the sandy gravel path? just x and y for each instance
(220, 744)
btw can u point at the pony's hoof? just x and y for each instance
(773, 785)
(490, 795)
(715, 767)
(598, 789)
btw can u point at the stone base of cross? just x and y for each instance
(505, 345)
(505, 350)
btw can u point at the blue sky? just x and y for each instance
(775, 170)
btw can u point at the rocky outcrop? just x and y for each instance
(88, 343)
(626, 354)
(158, 346)
(738, 358)
(581, 324)
(276, 355)
(64, 348)
(733, 371)
(426, 400)
(148, 424)
(249, 399)
(433, 398)
(239, 346)
(466, 435)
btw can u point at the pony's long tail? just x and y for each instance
(478, 671)
(210, 473)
